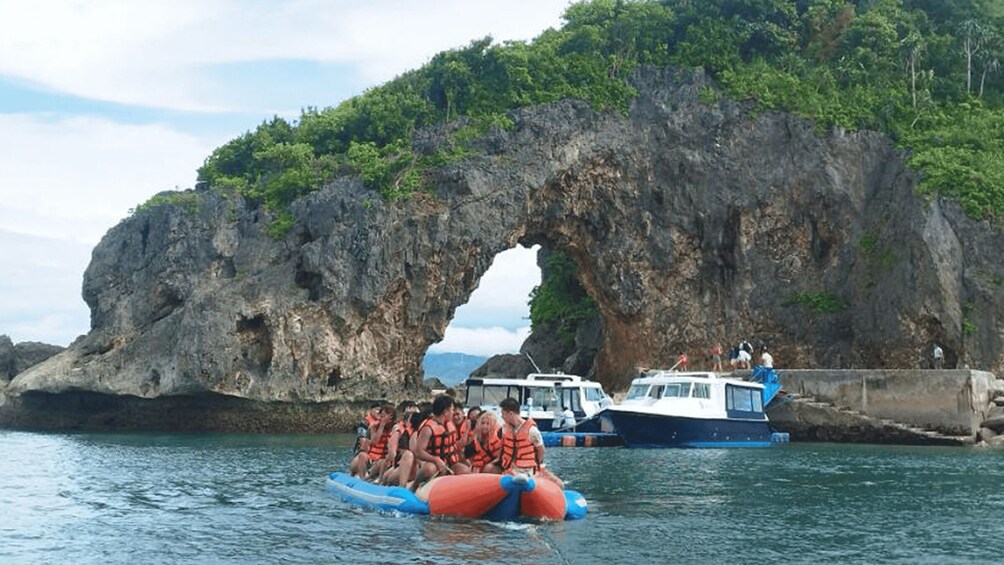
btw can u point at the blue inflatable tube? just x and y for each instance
(490, 497)
(358, 491)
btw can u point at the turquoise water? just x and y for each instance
(170, 498)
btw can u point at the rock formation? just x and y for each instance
(690, 222)
(15, 358)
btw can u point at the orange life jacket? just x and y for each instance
(443, 440)
(378, 447)
(517, 450)
(485, 454)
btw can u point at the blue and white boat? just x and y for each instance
(694, 409)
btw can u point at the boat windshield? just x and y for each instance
(594, 394)
(636, 391)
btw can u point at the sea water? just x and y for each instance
(221, 498)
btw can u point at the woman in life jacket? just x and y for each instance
(522, 444)
(371, 462)
(485, 447)
(436, 446)
(401, 460)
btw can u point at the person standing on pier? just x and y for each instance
(766, 359)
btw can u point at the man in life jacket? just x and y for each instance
(436, 446)
(522, 444)
(371, 462)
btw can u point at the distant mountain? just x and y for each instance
(450, 368)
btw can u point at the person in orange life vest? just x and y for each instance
(522, 444)
(370, 417)
(470, 427)
(460, 422)
(379, 438)
(435, 447)
(400, 459)
(486, 445)
(716, 357)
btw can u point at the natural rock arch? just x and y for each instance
(690, 222)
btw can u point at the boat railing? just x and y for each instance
(766, 376)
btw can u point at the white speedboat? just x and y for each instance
(696, 409)
(555, 401)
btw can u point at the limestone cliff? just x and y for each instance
(690, 221)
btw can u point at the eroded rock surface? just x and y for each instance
(16, 358)
(691, 222)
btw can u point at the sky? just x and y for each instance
(104, 103)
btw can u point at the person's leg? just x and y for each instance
(358, 466)
(404, 467)
(426, 471)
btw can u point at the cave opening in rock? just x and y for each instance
(494, 321)
(491, 334)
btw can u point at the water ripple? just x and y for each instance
(219, 498)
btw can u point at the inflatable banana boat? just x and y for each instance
(490, 497)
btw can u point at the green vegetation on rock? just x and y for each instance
(820, 302)
(926, 72)
(560, 300)
(187, 200)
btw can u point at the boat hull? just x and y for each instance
(639, 429)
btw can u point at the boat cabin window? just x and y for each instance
(636, 391)
(570, 399)
(593, 394)
(543, 398)
(656, 391)
(742, 399)
(702, 390)
(677, 390)
(475, 396)
(493, 394)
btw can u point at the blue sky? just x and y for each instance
(104, 103)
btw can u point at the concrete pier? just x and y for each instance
(888, 406)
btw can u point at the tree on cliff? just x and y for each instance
(905, 67)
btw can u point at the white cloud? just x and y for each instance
(481, 341)
(156, 53)
(40, 280)
(65, 182)
(66, 179)
(74, 178)
(509, 280)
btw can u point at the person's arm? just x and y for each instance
(395, 438)
(538, 445)
(497, 456)
(376, 430)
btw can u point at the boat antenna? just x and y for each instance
(534, 363)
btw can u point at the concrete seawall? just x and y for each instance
(897, 406)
